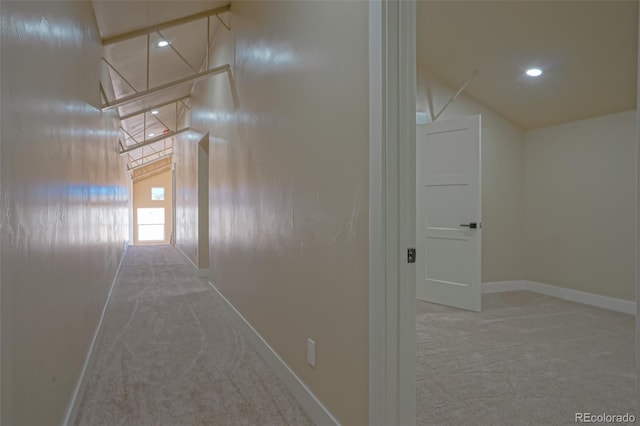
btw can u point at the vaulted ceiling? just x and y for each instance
(121, 16)
(587, 50)
(134, 64)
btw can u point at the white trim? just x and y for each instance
(131, 215)
(202, 272)
(188, 258)
(407, 212)
(637, 254)
(604, 302)
(599, 301)
(392, 398)
(500, 286)
(74, 404)
(314, 408)
(172, 238)
(318, 413)
(377, 219)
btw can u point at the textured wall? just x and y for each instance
(63, 205)
(185, 156)
(289, 186)
(502, 178)
(580, 205)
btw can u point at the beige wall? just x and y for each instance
(580, 205)
(191, 155)
(557, 203)
(64, 216)
(142, 199)
(502, 178)
(289, 186)
(185, 156)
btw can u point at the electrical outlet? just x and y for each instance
(311, 352)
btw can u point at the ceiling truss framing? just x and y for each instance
(154, 140)
(134, 141)
(196, 75)
(180, 100)
(168, 24)
(150, 158)
(151, 172)
(164, 87)
(148, 149)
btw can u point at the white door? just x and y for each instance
(448, 208)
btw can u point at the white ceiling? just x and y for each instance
(117, 16)
(587, 49)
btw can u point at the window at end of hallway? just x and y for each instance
(157, 194)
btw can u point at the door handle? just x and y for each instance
(472, 225)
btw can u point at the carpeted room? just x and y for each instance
(555, 235)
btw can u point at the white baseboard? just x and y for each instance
(74, 405)
(187, 257)
(314, 408)
(202, 272)
(500, 286)
(599, 301)
(604, 302)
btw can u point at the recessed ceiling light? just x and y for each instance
(534, 72)
(163, 43)
(151, 135)
(154, 112)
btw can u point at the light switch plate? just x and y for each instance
(311, 352)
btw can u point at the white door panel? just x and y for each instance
(448, 196)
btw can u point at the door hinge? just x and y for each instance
(411, 255)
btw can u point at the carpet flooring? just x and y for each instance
(527, 359)
(168, 355)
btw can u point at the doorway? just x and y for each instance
(153, 208)
(203, 206)
(559, 214)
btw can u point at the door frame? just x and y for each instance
(392, 398)
(392, 327)
(203, 206)
(638, 234)
(392, 147)
(172, 239)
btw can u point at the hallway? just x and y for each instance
(168, 355)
